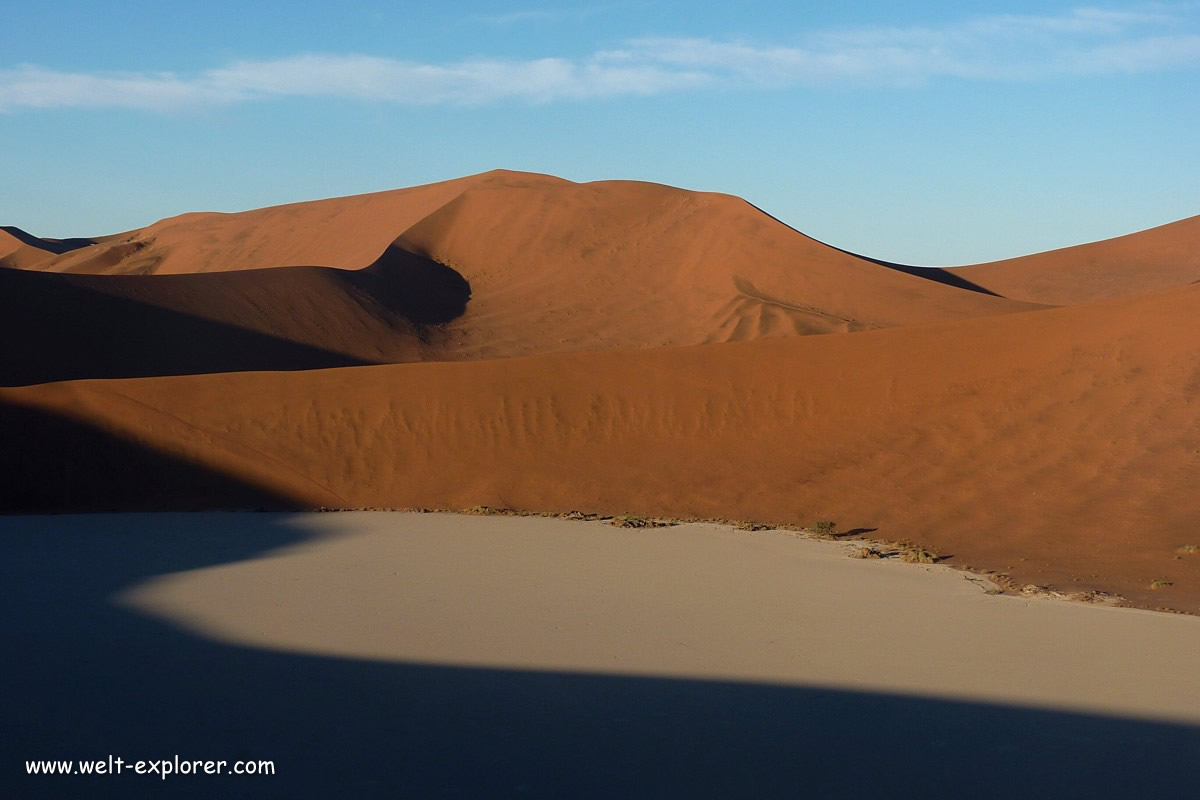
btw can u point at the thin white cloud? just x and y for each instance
(541, 15)
(1000, 47)
(358, 77)
(1083, 42)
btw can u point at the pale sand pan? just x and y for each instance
(691, 601)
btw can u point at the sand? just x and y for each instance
(696, 601)
(422, 654)
(624, 347)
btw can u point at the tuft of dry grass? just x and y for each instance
(1160, 583)
(918, 555)
(1189, 549)
(867, 552)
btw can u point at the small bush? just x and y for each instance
(1160, 583)
(823, 528)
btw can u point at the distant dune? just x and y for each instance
(21, 250)
(624, 347)
(1158, 258)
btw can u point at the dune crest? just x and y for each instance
(1158, 258)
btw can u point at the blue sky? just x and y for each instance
(924, 132)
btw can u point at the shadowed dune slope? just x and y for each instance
(63, 327)
(1158, 258)
(1060, 446)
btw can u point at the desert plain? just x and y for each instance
(718, 384)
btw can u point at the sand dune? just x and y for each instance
(1158, 258)
(553, 266)
(674, 267)
(1059, 446)
(623, 347)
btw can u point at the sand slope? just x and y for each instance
(1060, 446)
(1140, 262)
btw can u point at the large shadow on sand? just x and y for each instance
(84, 678)
(52, 464)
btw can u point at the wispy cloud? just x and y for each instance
(537, 15)
(1083, 42)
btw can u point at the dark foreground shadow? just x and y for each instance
(84, 678)
(52, 464)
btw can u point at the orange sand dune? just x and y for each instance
(1158, 258)
(1060, 446)
(670, 267)
(553, 266)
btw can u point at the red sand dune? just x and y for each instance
(552, 266)
(1057, 445)
(1158, 258)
